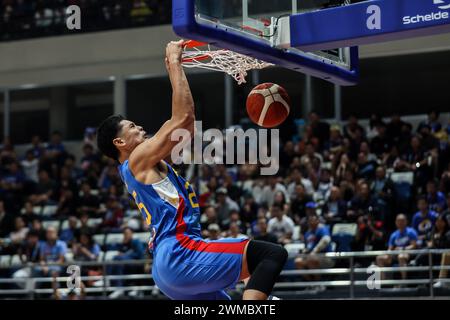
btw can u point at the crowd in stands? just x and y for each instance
(29, 18)
(390, 182)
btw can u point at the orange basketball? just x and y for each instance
(268, 105)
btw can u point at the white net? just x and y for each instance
(235, 64)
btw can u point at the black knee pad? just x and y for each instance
(265, 261)
(258, 251)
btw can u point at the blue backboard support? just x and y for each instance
(187, 24)
(369, 22)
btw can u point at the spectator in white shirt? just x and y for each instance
(297, 178)
(268, 193)
(280, 225)
(18, 236)
(30, 166)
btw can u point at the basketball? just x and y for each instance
(268, 105)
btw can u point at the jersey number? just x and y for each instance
(141, 206)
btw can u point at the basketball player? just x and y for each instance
(184, 265)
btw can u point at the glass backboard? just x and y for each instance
(262, 29)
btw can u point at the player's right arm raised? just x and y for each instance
(153, 150)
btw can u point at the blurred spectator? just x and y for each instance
(234, 231)
(52, 251)
(334, 209)
(310, 156)
(335, 144)
(280, 225)
(214, 232)
(381, 143)
(446, 213)
(88, 202)
(320, 129)
(89, 156)
(361, 204)
(28, 213)
(208, 217)
(36, 226)
(70, 234)
(440, 239)
(55, 147)
(298, 205)
(366, 167)
(11, 185)
(263, 234)
(129, 249)
(20, 231)
(395, 127)
(224, 205)
(405, 238)
(268, 193)
(29, 252)
(423, 221)
(436, 199)
(382, 187)
(325, 184)
(374, 122)
(86, 249)
(432, 122)
(30, 166)
(297, 178)
(249, 209)
(67, 204)
(66, 181)
(89, 137)
(317, 240)
(352, 127)
(84, 224)
(44, 191)
(370, 235)
(236, 219)
(113, 217)
(6, 221)
(36, 147)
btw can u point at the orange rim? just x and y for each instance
(193, 44)
(199, 58)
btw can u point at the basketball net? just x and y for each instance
(200, 55)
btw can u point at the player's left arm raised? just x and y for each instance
(152, 151)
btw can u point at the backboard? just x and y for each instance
(261, 29)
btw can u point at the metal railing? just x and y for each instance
(30, 288)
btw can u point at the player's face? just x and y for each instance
(131, 135)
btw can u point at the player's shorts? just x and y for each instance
(197, 269)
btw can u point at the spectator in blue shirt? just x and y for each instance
(55, 151)
(436, 199)
(405, 238)
(69, 234)
(423, 221)
(52, 251)
(86, 250)
(317, 240)
(129, 249)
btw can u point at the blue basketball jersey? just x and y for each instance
(160, 208)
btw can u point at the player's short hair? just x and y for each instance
(106, 133)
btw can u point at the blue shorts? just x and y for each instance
(197, 269)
